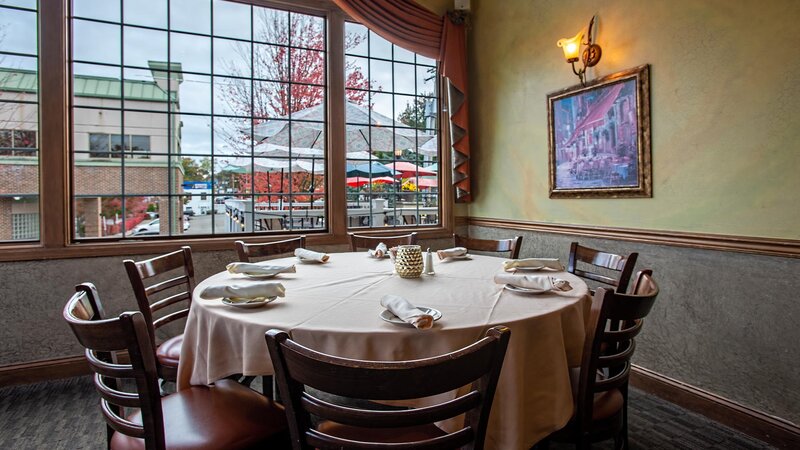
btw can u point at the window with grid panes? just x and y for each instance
(229, 94)
(206, 91)
(19, 121)
(391, 135)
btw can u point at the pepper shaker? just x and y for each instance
(429, 262)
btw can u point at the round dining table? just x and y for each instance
(335, 308)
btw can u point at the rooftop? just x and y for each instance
(21, 80)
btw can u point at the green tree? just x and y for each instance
(196, 171)
(414, 114)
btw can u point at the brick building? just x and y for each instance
(115, 155)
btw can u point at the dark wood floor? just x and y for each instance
(65, 415)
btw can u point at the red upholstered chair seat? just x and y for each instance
(606, 404)
(169, 352)
(226, 415)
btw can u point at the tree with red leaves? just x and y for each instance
(295, 53)
(290, 76)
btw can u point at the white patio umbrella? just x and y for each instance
(275, 165)
(431, 147)
(373, 131)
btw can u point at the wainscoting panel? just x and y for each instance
(725, 322)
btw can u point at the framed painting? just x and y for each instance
(600, 138)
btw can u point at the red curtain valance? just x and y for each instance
(411, 26)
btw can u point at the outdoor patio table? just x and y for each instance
(334, 308)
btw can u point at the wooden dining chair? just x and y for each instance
(601, 388)
(512, 246)
(359, 241)
(225, 415)
(598, 259)
(248, 251)
(85, 305)
(356, 428)
(170, 298)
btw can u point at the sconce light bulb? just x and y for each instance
(571, 46)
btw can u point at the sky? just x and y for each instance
(98, 43)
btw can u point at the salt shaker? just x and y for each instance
(429, 262)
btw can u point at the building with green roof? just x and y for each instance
(145, 134)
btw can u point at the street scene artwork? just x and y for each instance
(597, 140)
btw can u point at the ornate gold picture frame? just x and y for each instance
(599, 138)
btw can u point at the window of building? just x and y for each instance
(19, 121)
(111, 146)
(18, 143)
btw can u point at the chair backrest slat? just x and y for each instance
(161, 264)
(400, 418)
(246, 252)
(171, 300)
(610, 261)
(161, 321)
(477, 365)
(164, 285)
(106, 368)
(511, 246)
(458, 439)
(120, 424)
(115, 396)
(358, 241)
(615, 320)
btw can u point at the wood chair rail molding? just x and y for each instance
(789, 248)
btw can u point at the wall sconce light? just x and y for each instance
(572, 51)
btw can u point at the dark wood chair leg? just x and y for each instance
(624, 432)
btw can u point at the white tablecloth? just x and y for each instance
(335, 307)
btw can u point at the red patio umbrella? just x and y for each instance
(427, 182)
(361, 181)
(408, 170)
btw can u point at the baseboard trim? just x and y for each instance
(44, 370)
(744, 244)
(772, 430)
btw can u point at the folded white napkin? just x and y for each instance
(251, 290)
(535, 282)
(451, 252)
(533, 264)
(310, 255)
(403, 309)
(380, 251)
(259, 268)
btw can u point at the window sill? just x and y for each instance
(36, 251)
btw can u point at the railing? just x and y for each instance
(374, 214)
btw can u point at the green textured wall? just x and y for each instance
(725, 119)
(437, 6)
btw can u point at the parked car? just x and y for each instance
(188, 211)
(148, 228)
(153, 228)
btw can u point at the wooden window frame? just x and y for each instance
(55, 192)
